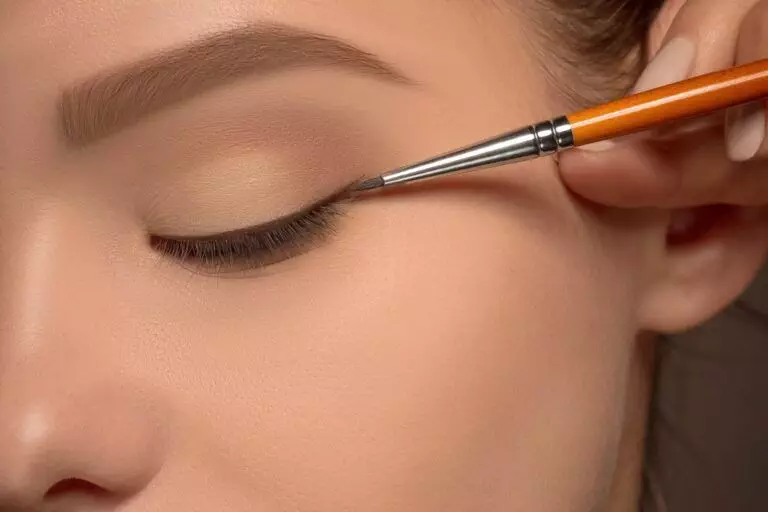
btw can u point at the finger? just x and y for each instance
(712, 25)
(746, 125)
(627, 172)
(690, 170)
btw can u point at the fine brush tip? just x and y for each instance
(371, 184)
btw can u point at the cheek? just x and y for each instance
(448, 349)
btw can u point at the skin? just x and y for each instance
(472, 344)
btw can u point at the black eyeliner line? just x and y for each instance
(342, 195)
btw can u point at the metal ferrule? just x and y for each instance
(542, 139)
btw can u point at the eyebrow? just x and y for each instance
(104, 105)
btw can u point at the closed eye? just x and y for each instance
(258, 246)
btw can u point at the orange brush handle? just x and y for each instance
(682, 100)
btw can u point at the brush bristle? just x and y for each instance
(370, 184)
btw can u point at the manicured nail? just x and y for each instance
(745, 132)
(603, 145)
(673, 63)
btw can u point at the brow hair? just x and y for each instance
(105, 104)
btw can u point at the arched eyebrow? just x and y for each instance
(104, 105)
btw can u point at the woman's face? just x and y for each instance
(444, 347)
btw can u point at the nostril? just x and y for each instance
(75, 486)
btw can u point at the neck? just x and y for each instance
(625, 493)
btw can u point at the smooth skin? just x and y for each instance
(477, 344)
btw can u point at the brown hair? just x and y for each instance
(599, 46)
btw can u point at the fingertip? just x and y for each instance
(625, 176)
(745, 132)
(598, 147)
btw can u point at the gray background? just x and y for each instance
(708, 446)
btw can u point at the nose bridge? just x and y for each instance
(28, 279)
(55, 275)
(69, 410)
(46, 293)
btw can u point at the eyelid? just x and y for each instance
(259, 246)
(341, 195)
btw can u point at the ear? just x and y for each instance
(711, 254)
(701, 257)
(709, 257)
(698, 259)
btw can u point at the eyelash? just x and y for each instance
(253, 249)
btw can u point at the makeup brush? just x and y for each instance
(675, 102)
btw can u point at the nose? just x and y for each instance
(74, 449)
(79, 431)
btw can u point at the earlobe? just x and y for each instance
(711, 256)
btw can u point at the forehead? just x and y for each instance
(60, 42)
(74, 25)
(47, 46)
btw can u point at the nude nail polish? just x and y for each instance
(595, 147)
(745, 131)
(673, 63)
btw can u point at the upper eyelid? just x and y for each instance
(343, 194)
(254, 249)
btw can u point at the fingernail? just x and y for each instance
(745, 131)
(603, 145)
(673, 63)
